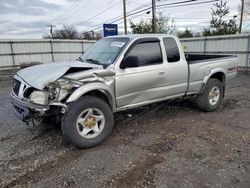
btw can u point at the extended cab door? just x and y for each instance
(138, 85)
(176, 67)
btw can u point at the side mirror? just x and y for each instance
(129, 61)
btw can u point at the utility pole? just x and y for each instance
(93, 34)
(51, 29)
(125, 17)
(241, 15)
(153, 16)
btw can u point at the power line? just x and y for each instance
(68, 9)
(175, 4)
(197, 3)
(98, 14)
(136, 3)
(77, 2)
(142, 6)
(68, 13)
(72, 13)
(180, 2)
(121, 17)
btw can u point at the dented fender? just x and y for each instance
(211, 72)
(91, 87)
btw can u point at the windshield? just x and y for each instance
(105, 51)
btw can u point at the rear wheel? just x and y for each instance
(212, 96)
(88, 122)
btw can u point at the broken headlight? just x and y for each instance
(39, 97)
(59, 89)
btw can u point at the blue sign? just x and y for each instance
(110, 30)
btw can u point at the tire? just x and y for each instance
(76, 121)
(203, 100)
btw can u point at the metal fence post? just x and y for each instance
(247, 55)
(12, 55)
(205, 45)
(52, 50)
(82, 47)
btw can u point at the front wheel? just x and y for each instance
(88, 122)
(212, 96)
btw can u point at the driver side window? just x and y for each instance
(148, 53)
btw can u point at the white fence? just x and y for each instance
(229, 44)
(16, 52)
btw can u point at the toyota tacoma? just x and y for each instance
(117, 73)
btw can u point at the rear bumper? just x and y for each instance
(24, 110)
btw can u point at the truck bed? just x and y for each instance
(198, 58)
(200, 66)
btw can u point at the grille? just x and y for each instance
(16, 86)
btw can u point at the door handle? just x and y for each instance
(161, 72)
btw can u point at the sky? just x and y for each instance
(29, 18)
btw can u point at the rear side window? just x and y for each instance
(149, 53)
(172, 51)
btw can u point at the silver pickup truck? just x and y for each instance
(115, 74)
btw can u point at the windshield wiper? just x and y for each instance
(79, 59)
(94, 61)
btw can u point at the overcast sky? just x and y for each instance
(28, 18)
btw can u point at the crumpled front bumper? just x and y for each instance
(25, 110)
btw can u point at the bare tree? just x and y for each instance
(88, 36)
(67, 32)
(98, 36)
(91, 35)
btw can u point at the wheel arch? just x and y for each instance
(96, 89)
(218, 74)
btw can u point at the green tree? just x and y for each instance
(164, 24)
(143, 26)
(219, 24)
(185, 34)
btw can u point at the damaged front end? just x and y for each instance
(32, 105)
(33, 102)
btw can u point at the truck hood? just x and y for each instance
(40, 75)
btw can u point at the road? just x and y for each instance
(168, 144)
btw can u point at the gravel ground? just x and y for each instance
(168, 144)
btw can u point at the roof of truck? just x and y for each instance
(132, 36)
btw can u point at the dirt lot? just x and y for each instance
(169, 144)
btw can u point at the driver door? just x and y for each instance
(139, 85)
